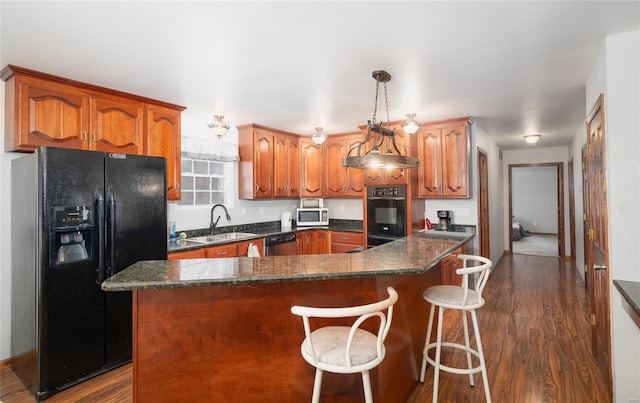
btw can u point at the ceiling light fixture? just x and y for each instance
(219, 127)
(374, 159)
(532, 138)
(412, 125)
(318, 137)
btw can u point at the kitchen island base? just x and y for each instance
(240, 343)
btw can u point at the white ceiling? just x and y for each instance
(516, 67)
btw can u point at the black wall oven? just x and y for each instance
(386, 214)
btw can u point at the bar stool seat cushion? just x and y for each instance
(451, 295)
(330, 343)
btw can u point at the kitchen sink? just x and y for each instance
(221, 237)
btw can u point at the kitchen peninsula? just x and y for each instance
(221, 329)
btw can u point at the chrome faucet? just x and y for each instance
(213, 224)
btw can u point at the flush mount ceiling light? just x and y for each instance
(532, 138)
(382, 137)
(412, 125)
(218, 127)
(318, 137)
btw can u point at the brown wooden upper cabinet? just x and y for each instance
(443, 149)
(46, 110)
(311, 172)
(338, 180)
(269, 163)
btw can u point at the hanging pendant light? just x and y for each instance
(318, 137)
(383, 137)
(219, 127)
(412, 125)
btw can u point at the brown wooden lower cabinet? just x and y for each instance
(234, 249)
(240, 343)
(449, 265)
(344, 241)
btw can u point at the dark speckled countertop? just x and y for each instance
(630, 291)
(411, 255)
(260, 230)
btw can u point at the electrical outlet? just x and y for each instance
(261, 210)
(342, 207)
(461, 212)
(243, 211)
(535, 223)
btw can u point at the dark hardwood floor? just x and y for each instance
(535, 331)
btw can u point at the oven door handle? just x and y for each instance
(387, 198)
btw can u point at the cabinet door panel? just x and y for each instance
(334, 173)
(163, 140)
(53, 116)
(293, 168)
(227, 250)
(116, 126)
(311, 156)
(429, 150)
(280, 167)
(454, 167)
(263, 163)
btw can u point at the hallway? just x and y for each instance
(536, 338)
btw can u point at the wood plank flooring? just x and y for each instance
(536, 337)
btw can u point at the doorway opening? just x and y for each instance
(536, 208)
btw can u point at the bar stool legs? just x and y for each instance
(463, 299)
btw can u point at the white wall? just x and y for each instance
(535, 156)
(617, 75)
(534, 198)
(575, 150)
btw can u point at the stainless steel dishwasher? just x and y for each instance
(280, 245)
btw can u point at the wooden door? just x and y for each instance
(483, 204)
(50, 115)
(263, 151)
(598, 237)
(311, 156)
(163, 140)
(334, 173)
(454, 162)
(572, 211)
(429, 176)
(116, 126)
(585, 220)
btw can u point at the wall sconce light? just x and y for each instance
(318, 137)
(412, 125)
(532, 138)
(219, 127)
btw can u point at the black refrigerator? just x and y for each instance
(78, 217)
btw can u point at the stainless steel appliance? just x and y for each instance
(312, 216)
(386, 214)
(445, 218)
(280, 245)
(78, 217)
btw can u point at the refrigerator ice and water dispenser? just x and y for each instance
(72, 235)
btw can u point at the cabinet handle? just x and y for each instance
(256, 187)
(222, 253)
(94, 137)
(84, 136)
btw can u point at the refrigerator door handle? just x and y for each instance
(111, 229)
(99, 206)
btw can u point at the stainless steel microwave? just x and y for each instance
(309, 216)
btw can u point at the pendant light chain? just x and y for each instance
(375, 105)
(386, 103)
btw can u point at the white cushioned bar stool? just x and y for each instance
(346, 349)
(465, 299)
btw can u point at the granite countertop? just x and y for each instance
(260, 231)
(410, 255)
(630, 291)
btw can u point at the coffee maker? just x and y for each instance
(444, 220)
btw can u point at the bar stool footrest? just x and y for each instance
(443, 367)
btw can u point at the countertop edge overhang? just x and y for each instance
(630, 291)
(413, 254)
